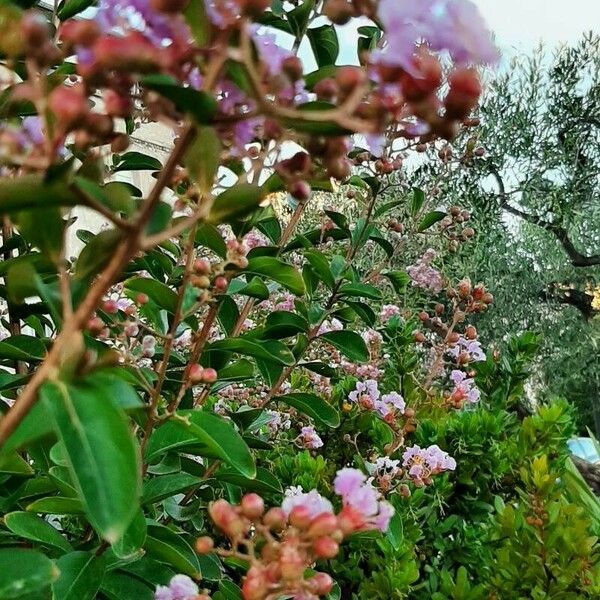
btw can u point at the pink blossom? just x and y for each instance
(390, 403)
(455, 26)
(423, 463)
(310, 438)
(387, 312)
(464, 388)
(384, 516)
(365, 388)
(348, 481)
(424, 276)
(471, 347)
(181, 587)
(312, 501)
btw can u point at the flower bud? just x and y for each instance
(252, 506)
(68, 104)
(142, 299)
(35, 28)
(117, 105)
(326, 89)
(204, 545)
(226, 518)
(321, 584)
(292, 67)
(196, 374)
(300, 190)
(275, 519)
(322, 525)
(209, 375)
(255, 8)
(291, 563)
(349, 77)
(325, 547)
(470, 332)
(221, 283)
(465, 89)
(300, 517)
(464, 288)
(338, 11)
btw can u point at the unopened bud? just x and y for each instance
(204, 545)
(252, 506)
(325, 547)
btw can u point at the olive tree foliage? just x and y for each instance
(535, 200)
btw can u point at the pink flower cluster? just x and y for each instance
(471, 349)
(455, 26)
(464, 389)
(423, 463)
(367, 395)
(181, 587)
(309, 438)
(425, 276)
(387, 312)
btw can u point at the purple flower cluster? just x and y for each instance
(424, 276)
(471, 347)
(387, 312)
(309, 438)
(367, 394)
(464, 388)
(122, 16)
(312, 501)
(181, 587)
(423, 463)
(454, 26)
(360, 496)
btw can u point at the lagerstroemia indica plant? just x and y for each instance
(242, 307)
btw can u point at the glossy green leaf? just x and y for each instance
(315, 126)
(324, 43)
(131, 542)
(199, 105)
(279, 271)
(102, 455)
(56, 505)
(205, 433)
(320, 265)
(136, 161)
(360, 290)
(167, 546)
(255, 288)
(31, 527)
(348, 343)
(22, 347)
(273, 350)
(398, 279)
(165, 486)
(430, 219)
(298, 18)
(119, 586)
(162, 295)
(80, 576)
(417, 201)
(281, 324)
(313, 406)
(209, 236)
(70, 8)
(24, 572)
(202, 158)
(13, 464)
(32, 192)
(96, 254)
(235, 202)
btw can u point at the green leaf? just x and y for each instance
(198, 22)
(315, 126)
(209, 236)
(24, 572)
(115, 195)
(70, 8)
(235, 202)
(418, 200)
(313, 406)
(14, 464)
(361, 290)
(56, 505)
(203, 157)
(165, 486)
(119, 586)
(279, 271)
(324, 43)
(273, 350)
(80, 576)
(264, 482)
(136, 161)
(22, 347)
(162, 295)
(201, 106)
(282, 324)
(398, 279)
(31, 527)
(102, 455)
(320, 265)
(96, 254)
(431, 218)
(255, 288)
(32, 192)
(133, 539)
(49, 238)
(348, 343)
(209, 434)
(169, 547)
(298, 18)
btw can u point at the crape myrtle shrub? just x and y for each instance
(218, 399)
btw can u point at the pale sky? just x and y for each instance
(521, 24)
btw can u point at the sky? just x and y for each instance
(521, 24)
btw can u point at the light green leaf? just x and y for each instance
(313, 406)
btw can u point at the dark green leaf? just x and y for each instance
(24, 572)
(136, 161)
(264, 482)
(324, 44)
(282, 324)
(431, 218)
(313, 406)
(273, 350)
(361, 290)
(348, 343)
(162, 487)
(279, 271)
(22, 347)
(202, 158)
(234, 203)
(31, 527)
(209, 236)
(162, 295)
(80, 576)
(97, 253)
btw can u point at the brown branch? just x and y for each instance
(575, 256)
(71, 328)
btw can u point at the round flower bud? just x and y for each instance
(116, 105)
(204, 545)
(202, 266)
(291, 563)
(252, 506)
(470, 332)
(326, 89)
(349, 77)
(209, 375)
(35, 28)
(68, 104)
(292, 67)
(142, 299)
(300, 190)
(196, 374)
(119, 143)
(338, 11)
(221, 283)
(95, 325)
(275, 519)
(226, 518)
(322, 525)
(321, 584)
(325, 547)
(300, 517)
